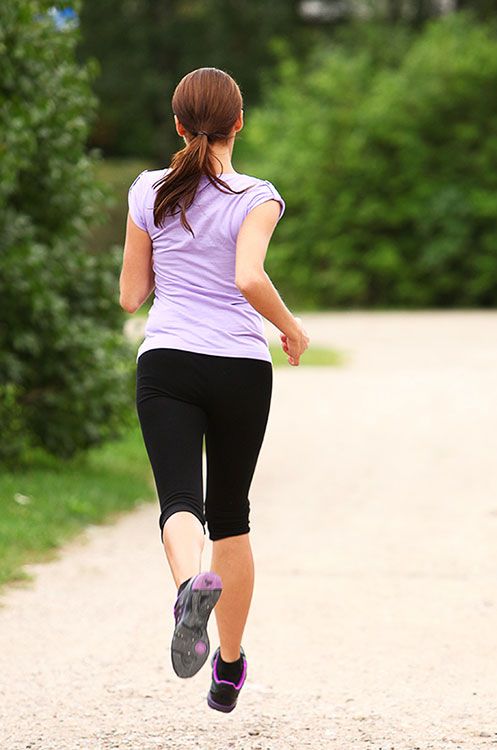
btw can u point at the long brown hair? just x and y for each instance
(208, 100)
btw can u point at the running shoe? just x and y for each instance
(194, 604)
(223, 694)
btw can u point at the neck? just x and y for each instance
(222, 160)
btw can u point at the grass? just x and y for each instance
(51, 501)
(314, 356)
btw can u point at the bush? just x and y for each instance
(389, 171)
(65, 369)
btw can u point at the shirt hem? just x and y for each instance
(158, 343)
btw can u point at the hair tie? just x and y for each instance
(209, 135)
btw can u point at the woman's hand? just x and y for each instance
(294, 346)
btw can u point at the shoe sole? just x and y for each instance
(190, 643)
(220, 706)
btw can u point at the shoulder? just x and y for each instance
(260, 185)
(253, 181)
(145, 179)
(260, 190)
(140, 197)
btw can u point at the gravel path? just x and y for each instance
(374, 619)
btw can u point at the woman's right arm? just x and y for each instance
(255, 284)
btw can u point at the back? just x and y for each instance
(197, 306)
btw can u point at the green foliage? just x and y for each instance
(14, 433)
(65, 370)
(389, 171)
(485, 9)
(117, 175)
(145, 47)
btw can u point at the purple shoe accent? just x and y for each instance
(207, 581)
(237, 686)
(200, 647)
(220, 706)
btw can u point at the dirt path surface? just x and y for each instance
(374, 526)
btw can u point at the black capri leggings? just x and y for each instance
(182, 395)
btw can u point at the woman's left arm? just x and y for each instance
(137, 280)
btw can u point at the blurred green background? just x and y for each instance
(376, 120)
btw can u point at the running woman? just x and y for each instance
(197, 234)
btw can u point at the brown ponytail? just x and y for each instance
(207, 102)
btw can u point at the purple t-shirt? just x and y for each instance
(197, 306)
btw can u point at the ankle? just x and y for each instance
(229, 656)
(230, 670)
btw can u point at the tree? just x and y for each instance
(64, 372)
(389, 171)
(484, 9)
(145, 47)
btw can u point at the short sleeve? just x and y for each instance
(136, 200)
(262, 193)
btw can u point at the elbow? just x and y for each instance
(129, 300)
(128, 305)
(248, 283)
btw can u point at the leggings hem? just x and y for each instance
(216, 536)
(171, 510)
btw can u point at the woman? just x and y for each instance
(197, 232)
